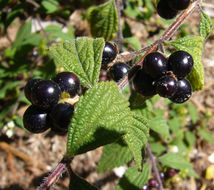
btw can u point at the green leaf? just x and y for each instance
(51, 6)
(174, 125)
(194, 46)
(205, 26)
(78, 183)
(157, 148)
(175, 161)
(114, 155)
(82, 57)
(137, 137)
(103, 20)
(193, 113)
(8, 86)
(134, 42)
(190, 138)
(102, 115)
(134, 179)
(23, 33)
(206, 135)
(159, 125)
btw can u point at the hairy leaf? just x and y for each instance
(173, 160)
(133, 178)
(205, 26)
(114, 155)
(102, 116)
(82, 57)
(103, 20)
(194, 46)
(137, 137)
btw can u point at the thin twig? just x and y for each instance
(154, 166)
(119, 33)
(55, 174)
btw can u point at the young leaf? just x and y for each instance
(205, 25)
(175, 161)
(159, 125)
(190, 138)
(77, 182)
(50, 5)
(157, 148)
(193, 113)
(103, 20)
(206, 135)
(82, 57)
(133, 178)
(102, 115)
(114, 155)
(194, 46)
(137, 136)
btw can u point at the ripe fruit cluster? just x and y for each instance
(46, 111)
(168, 9)
(165, 77)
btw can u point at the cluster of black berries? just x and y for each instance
(46, 111)
(118, 70)
(165, 77)
(168, 9)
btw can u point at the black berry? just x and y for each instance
(29, 88)
(181, 63)
(118, 71)
(60, 117)
(155, 64)
(45, 94)
(153, 183)
(183, 92)
(68, 82)
(35, 120)
(171, 172)
(165, 11)
(178, 4)
(166, 86)
(109, 53)
(144, 84)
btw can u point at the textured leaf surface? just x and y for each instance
(194, 46)
(102, 116)
(137, 137)
(78, 183)
(114, 155)
(134, 179)
(81, 56)
(159, 125)
(174, 161)
(103, 20)
(205, 26)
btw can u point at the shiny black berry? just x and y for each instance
(165, 11)
(178, 4)
(155, 64)
(166, 86)
(35, 120)
(118, 71)
(181, 63)
(60, 117)
(29, 88)
(144, 84)
(68, 82)
(45, 94)
(183, 92)
(109, 53)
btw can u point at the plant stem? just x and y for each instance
(119, 33)
(154, 166)
(55, 174)
(166, 36)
